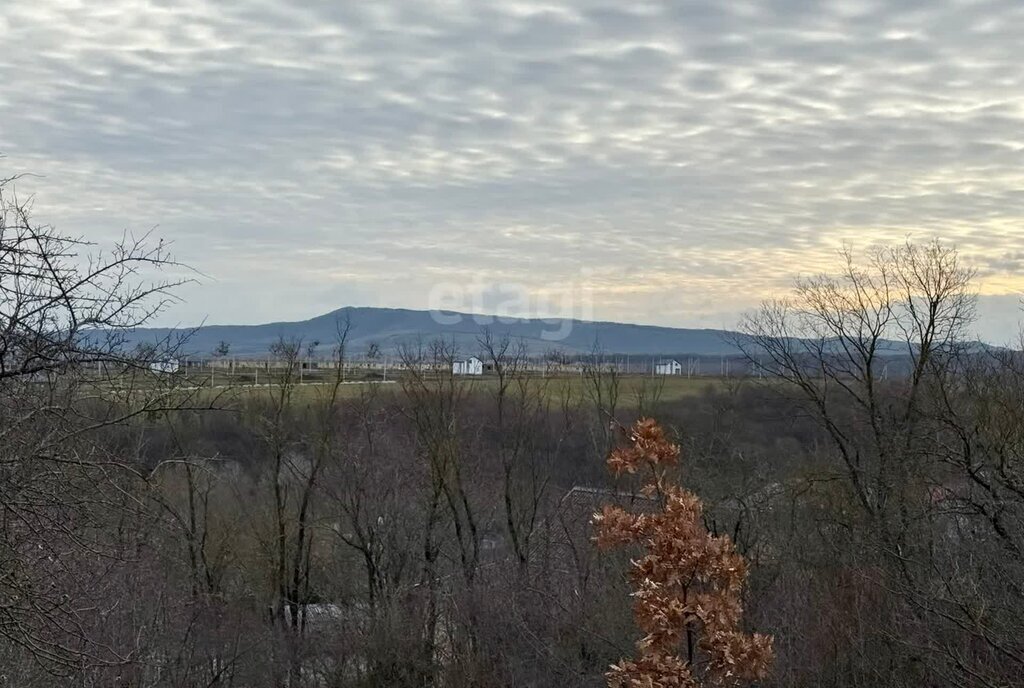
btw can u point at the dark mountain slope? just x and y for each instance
(391, 327)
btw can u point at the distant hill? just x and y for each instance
(389, 328)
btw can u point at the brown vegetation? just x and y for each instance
(437, 533)
(687, 586)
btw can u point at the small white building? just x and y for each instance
(171, 366)
(668, 368)
(471, 366)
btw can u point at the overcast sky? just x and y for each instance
(672, 162)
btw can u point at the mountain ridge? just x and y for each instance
(390, 328)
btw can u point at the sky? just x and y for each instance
(669, 163)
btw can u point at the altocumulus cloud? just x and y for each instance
(681, 158)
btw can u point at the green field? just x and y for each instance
(631, 388)
(223, 387)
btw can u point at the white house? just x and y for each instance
(471, 366)
(668, 368)
(171, 366)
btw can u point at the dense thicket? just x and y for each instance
(438, 531)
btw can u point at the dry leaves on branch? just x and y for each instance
(687, 586)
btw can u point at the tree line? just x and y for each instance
(839, 526)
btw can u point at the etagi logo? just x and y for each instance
(488, 303)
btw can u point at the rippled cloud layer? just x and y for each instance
(678, 160)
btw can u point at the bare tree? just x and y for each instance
(62, 308)
(520, 404)
(222, 349)
(300, 449)
(930, 510)
(67, 371)
(836, 336)
(602, 388)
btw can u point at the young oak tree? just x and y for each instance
(687, 585)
